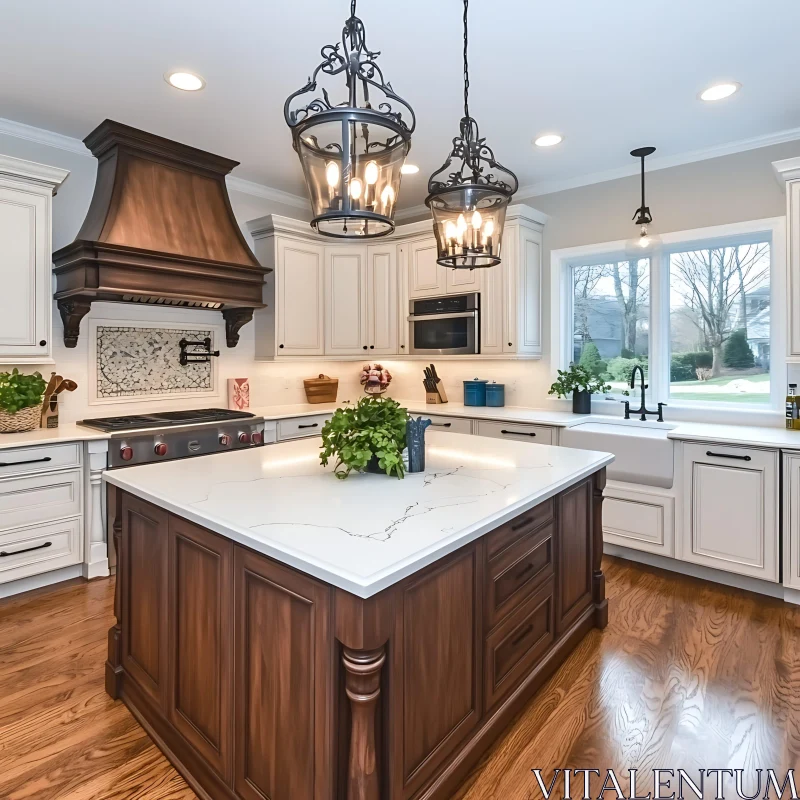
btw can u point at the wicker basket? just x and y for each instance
(27, 419)
(322, 389)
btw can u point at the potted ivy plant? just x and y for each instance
(369, 436)
(20, 401)
(581, 384)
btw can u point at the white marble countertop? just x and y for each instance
(68, 432)
(367, 532)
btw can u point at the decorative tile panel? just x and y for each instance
(139, 361)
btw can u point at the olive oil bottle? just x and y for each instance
(791, 408)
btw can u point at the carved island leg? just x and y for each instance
(72, 311)
(363, 680)
(114, 662)
(235, 320)
(598, 579)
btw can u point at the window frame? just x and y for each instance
(772, 229)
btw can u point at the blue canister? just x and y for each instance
(495, 394)
(475, 392)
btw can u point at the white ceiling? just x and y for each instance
(608, 75)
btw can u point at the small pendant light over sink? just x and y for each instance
(351, 154)
(643, 244)
(469, 193)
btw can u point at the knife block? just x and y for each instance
(433, 397)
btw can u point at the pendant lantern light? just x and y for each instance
(643, 245)
(469, 193)
(351, 153)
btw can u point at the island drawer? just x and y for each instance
(39, 498)
(498, 540)
(512, 649)
(300, 427)
(516, 431)
(39, 548)
(449, 424)
(22, 460)
(517, 572)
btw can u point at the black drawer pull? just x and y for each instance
(29, 461)
(517, 433)
(314, 425)
(728, 455)
(524, 571)
(525, 632)
(4, 554)
(441, 424)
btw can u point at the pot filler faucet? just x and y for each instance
(642, 410)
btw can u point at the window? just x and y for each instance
(719, 324)
(611, 318)
(701, 316)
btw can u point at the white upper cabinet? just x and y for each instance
(426, 278)
(522, 263)
(26, 196)
(788, 172)
(382, 299)
(461, 281)
(345, 300)
(493, 303)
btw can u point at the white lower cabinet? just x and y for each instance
(34, 549)
(301, 427)
(791, 520)
(730, 509)
(449, 424)
(516, 431)
(642, 519)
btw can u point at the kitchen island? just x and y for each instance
(283, 634)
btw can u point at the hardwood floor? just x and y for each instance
(687, 674)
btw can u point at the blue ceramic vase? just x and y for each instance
(415, 442)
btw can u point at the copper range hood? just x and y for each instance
(159, 231)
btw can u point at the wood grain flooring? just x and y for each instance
(687, 674)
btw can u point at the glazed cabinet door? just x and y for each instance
(791, 520)
(425, 277)
(299, 292)
(574, 554)
(793, 268)
(145, 584)
(492, 299)
(345, 300)
(382, 300)
(284, 683)
(25, 273)
(730, 509)
(522, 257)
(200, 689)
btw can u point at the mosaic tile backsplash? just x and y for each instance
(137, 361)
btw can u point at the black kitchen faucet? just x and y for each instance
(642, 410)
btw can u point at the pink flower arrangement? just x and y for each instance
(375, 379)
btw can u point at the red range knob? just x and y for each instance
(244, 438)
(256, 438)
(224, 439)
(160, 449)
(126, 453)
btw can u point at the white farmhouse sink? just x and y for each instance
(643, 452)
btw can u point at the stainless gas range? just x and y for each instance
(148, 438)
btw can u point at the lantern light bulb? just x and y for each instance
(332, 174)
(356, 188)
(387, 195)
(371, 173)
(450, 231)
(476, 220)
(462, 223)
(488, 228)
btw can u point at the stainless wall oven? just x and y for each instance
(442, 326)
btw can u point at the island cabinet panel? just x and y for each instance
(200, 689)
(574, 563)
(439, 671)
(284, 683)
(144, 607)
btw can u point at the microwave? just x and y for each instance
(444, 326)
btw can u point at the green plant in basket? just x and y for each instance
(18, 391)
(374, 428)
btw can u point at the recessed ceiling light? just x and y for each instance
(548, 140)
(719, 91)
(186, 81)
(409, 169)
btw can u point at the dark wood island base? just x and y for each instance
(259, 682)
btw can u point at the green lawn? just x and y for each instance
(734, 397)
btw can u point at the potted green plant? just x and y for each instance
(369, 436)
(20, 401)
(581, 384)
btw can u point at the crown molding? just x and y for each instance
(787, 170)
(41, 136)
(267, 193)
(46, 175)
(662, 162)
(413, 211)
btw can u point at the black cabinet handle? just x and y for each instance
(728, 455)
(524, 571)
(441, 424)
(281, 346)
(365, 347)
(314, 425)
(528, 629)
(29, 461)
(43, 343)
(510, 345)
(372, 347)
(4, 554)
(402, 347)
(517, 433)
